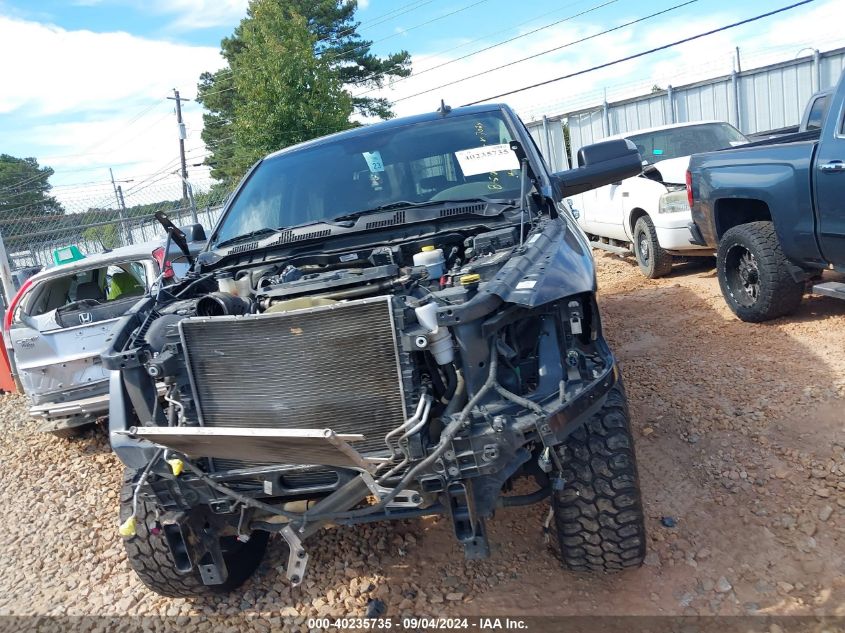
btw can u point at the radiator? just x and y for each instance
(331, 367)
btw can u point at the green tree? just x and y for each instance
(107, 235)
(567, 143)
(340, 44)
(297, 63)
(24, 189)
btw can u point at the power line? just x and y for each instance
(386, 17)
(26, 192)
(365, 45)
(167, 169)
(622, 90)
(131, 121)
(499, 32)
(25, 181)
(411, 28)
(648, 52)
(546, 52)
(495, 45)
(87, 189)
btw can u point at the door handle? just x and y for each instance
(833, 166)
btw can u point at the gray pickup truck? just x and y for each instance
(775, 210)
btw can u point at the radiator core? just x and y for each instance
(331, 367)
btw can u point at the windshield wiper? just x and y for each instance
(247, 236)
(405, 204)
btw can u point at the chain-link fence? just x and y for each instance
(118, 219)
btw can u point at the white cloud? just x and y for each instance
(77, 92)
(199, 14)
(65, 70)
(363, 4)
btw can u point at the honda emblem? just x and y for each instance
(85, 318)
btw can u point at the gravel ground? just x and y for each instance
(741, 444)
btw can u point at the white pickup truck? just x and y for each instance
(649, 214)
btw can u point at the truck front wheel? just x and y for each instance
(652, 259)
(754, 273)
(151, 558)
(598, 513)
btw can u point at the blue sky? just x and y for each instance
(87, 86)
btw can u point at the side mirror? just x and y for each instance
(194, 232)
(600, 164)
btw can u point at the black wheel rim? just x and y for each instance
(644, 248)
(742, 275)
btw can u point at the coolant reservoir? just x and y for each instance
(432, 259)
(226, 283)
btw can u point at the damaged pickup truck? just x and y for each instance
(391, 322)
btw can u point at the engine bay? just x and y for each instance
(419, 275)
(429, 265)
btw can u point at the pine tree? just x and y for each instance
(293, 66)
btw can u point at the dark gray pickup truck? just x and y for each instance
(775, 210)
(392, 322)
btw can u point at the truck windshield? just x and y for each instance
(453, 158)
(686, 141)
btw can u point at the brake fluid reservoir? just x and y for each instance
(432, 259)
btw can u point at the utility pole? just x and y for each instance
(126, 224)
(738, 61)
(182, 136)
(187, 185)
(121, 208)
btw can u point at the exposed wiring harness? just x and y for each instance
(127, 528)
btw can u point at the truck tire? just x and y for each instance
(598, 515)
(150, 557)
(754, 273)
(652, 259)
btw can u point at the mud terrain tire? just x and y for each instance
(152, 560)
(598, 516)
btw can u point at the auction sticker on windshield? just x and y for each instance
(481, 160)
(374, 161)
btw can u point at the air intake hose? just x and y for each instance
(220, 304)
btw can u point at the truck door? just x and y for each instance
(605, 210)
(829, 179)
